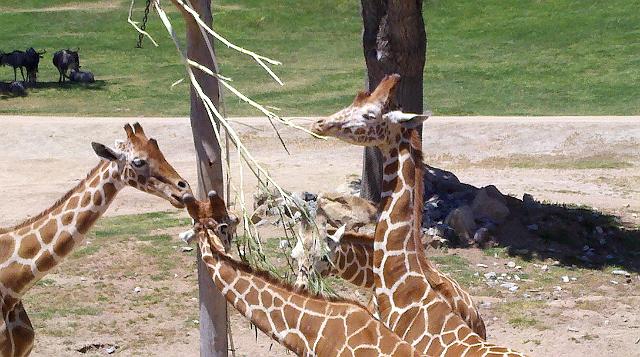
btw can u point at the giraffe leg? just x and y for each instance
(16, 333)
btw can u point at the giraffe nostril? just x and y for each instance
(183, 185)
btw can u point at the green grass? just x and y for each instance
(138, 225)
(490, 57)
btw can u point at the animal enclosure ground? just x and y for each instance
(490, 58)
(90, 301)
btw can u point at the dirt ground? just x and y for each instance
(590, 161)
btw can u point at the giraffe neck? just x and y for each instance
(32, 248)
(306, 325)
(353, 260)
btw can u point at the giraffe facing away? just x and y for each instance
(306, 324)
(407, 302)
(29, 250)
(349, 255)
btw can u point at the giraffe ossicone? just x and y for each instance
(306, 324)
(29, 250)
(406, 298)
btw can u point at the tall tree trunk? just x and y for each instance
(394, 40)
(213, 306)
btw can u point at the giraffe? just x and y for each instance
(29, 250)
(306, 324)
(407, 302)
(349, 255)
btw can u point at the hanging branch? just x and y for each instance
(244, 155)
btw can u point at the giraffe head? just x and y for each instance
(370, 120)
(142, 165)
(313, 250)
(211, 217)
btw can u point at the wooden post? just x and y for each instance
(213, 306)
(394, 40)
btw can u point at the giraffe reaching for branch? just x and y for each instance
(306, 324)
(29, 250)
(407, 301)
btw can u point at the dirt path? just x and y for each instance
(585, 160)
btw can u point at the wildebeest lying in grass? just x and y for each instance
(14, 88)
(28, 60)
(65, 60)
(81, 76)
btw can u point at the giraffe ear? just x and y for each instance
(408, 120)
(337, 235)
(105, 152)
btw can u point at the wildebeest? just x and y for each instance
(81, 76)
(20, 59)
(65, 60)
(15, 59)
(31, 63)
(15, 88)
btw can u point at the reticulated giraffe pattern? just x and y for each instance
(306, 324)
(351, 258)
(407, 302)
(29, 250)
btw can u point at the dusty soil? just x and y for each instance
(592, 161)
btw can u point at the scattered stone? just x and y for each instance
(462, 222)
(137, 289)
(532, 227)
(614, 282)
(490, 275)
(544, 267)
(259, 214)
(572, 329)
(480, 265)
(621, 272)
(111, 349)
(283, 243)
(485, 305)
(565, 279)
(516, 277)
(186, 249)
(83, 278)
(489, 203)
(511, 264)
(599, 230)
(510, 286)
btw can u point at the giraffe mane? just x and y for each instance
(261, 274)
(418, 193)
(56, 204)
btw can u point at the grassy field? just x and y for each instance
(492, 57)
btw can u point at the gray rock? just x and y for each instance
(482, 236)
(490, 204)
(462, 222)
(529, 202)
(356, 213)
(621, 272)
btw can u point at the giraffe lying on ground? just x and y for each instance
(407, 302)
(32, 248)
(349, 255)
(306, 324)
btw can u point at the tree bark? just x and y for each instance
(213, 306)
(394, 40)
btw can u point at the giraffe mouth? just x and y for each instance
(176, 201)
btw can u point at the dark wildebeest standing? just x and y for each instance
(15, 59)
(81, 76)
(32, 61)
(65, 60)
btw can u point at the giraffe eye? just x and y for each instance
(369, 116)
(137, 162)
